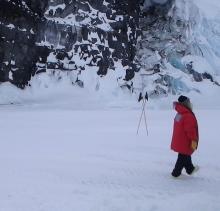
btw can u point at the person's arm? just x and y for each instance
(190, 127)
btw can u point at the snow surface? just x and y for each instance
(211, 9)
(48, 89)
(65, 159)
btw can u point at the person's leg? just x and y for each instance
(188, 165)
(178, 166)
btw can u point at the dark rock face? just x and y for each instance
(19, 22)
(36, 36)
(139, 36)
(105, 32)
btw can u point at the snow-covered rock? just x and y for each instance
(67, 36)
(179, 41)
(166, 47)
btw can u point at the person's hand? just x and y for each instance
(194, 145)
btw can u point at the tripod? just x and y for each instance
(143, 113)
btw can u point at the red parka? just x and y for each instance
(185, 130)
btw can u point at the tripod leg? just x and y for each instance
(145, 119)
(141, 116)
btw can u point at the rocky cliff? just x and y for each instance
(66, 35)
(152, 44)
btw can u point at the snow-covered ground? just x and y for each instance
(63, 148)
(63, 159)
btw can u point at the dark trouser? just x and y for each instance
(183, 161)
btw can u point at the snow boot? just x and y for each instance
(196, 168)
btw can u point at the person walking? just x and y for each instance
(185, 136)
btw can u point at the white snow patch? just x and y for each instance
(54, 8)
(11, 26)
(10, 75)
(23, 30)
(105, 3)
(115, 38)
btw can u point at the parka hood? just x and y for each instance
(180, 108)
